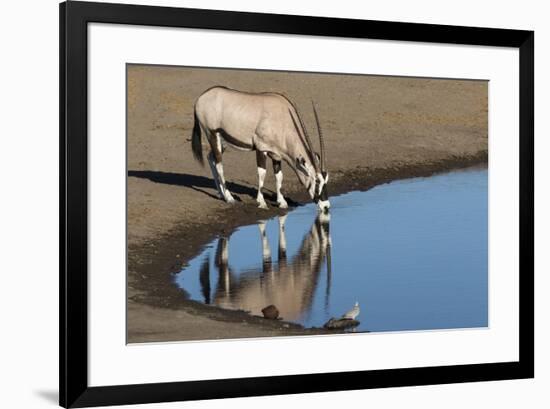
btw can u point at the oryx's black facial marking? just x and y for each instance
(323, 194)
(316, 195)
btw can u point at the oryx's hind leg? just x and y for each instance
(215, 161)
(212, 163)
(278, 183)
(261, 162)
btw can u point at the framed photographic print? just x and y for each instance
(258, 204)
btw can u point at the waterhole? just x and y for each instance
(411, 253)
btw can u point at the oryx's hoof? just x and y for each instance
(262, 205)
(229, 199)
(283, 204)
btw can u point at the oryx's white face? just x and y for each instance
(315, 183)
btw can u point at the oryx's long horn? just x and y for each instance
(304, 132)
(321, 140)
(306, 135)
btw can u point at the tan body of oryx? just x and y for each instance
(267, 123)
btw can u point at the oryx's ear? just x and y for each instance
(317, 157)
(325, 177)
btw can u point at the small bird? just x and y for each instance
(353, 313)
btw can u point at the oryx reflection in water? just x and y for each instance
(290, 283)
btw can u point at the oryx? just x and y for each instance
(267, 123)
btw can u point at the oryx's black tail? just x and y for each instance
(196, 143)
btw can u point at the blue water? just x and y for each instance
(412, 253)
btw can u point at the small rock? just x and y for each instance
(271, 312)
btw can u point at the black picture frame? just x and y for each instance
(73, 380)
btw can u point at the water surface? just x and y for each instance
(412, 253)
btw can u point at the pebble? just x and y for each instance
(270, 312)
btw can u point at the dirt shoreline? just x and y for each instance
(376, 129)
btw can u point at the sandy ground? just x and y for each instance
(376, 129)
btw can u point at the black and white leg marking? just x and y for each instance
(212, 163)
(278, 183)
(261, 161)
(215, 160)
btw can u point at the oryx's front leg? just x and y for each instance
(278, 183)
(261, 161)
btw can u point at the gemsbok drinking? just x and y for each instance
(267, 123)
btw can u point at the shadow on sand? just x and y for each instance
(199, 183)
